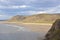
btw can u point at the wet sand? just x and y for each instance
(37, 28)
(34, 27)
(41, 29)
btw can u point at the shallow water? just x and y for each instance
(14, 32)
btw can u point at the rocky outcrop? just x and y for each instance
(54, 32)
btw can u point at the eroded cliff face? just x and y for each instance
(54, 32)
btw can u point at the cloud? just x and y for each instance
(37, 12)
(14, 7)
(3, 0)
(28, 7)
(50, 10)
(30, 12)
(4, 17)
(1, 15)
(21, 6)
(55, 9)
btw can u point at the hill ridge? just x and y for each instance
(38, 18)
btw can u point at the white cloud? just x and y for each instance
(37, 12)
(1, 15)
(30, 12)
(5, 1)
(43, 1)
(41, 12)
(21, 6)
(54, 9)
(2, 7)
(14, 6)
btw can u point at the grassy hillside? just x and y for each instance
(17, 18)
(39, 18)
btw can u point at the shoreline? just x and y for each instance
(35, 27)
(26, 23)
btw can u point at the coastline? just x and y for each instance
(35, 27)
(26, 23)
(41, 28)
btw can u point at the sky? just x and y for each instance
(9, 8)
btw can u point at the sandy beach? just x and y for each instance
(36, 27)
(41, 28)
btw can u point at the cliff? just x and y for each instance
(54, 32)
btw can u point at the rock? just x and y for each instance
(54, 32)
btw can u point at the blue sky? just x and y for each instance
(9, 8)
